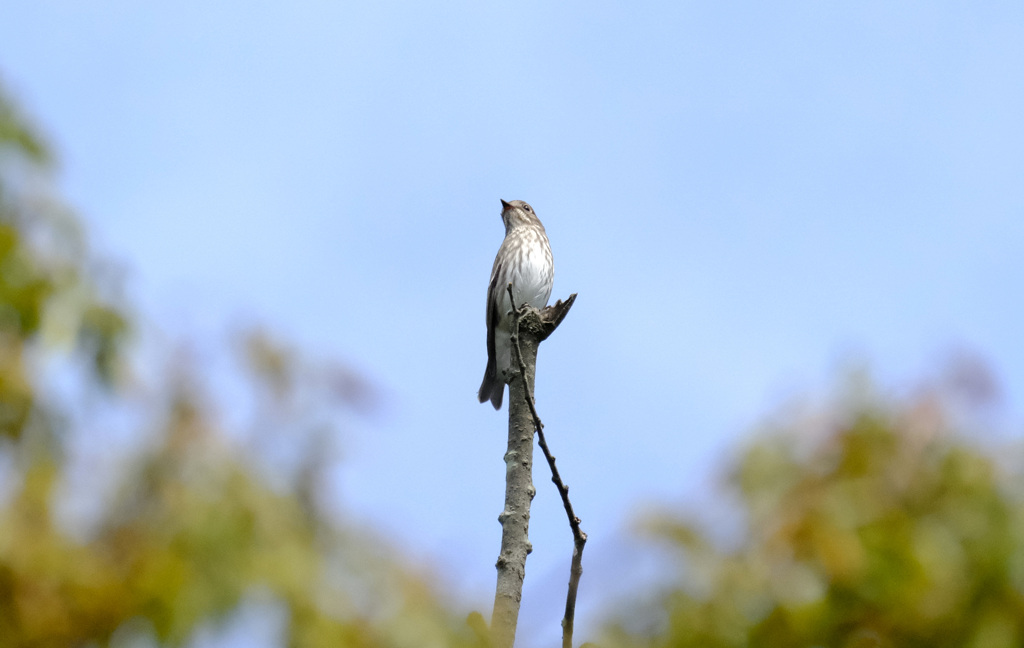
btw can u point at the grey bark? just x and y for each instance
(519, 491)
(533, 327)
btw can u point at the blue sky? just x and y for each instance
(746, 197)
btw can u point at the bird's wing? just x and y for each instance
(493, 316)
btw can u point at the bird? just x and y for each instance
(524, 260)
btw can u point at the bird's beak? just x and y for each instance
(505, 206)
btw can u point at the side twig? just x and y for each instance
(579, 537)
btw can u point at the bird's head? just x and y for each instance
(517, 214)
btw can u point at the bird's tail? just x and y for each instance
(491, 388)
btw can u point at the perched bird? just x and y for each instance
(524, 260)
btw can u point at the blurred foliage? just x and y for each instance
(871, 525)
(197, 523)
(48, 292)
(192, 532)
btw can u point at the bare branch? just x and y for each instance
(515, 517)
(519, 489)
(553, 316)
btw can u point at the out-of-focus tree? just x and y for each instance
(199, 522)
(49, 294)
(872, 525)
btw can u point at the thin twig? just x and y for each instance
(578, 536)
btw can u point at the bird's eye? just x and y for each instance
(528, 208)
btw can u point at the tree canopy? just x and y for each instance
(876, 524)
